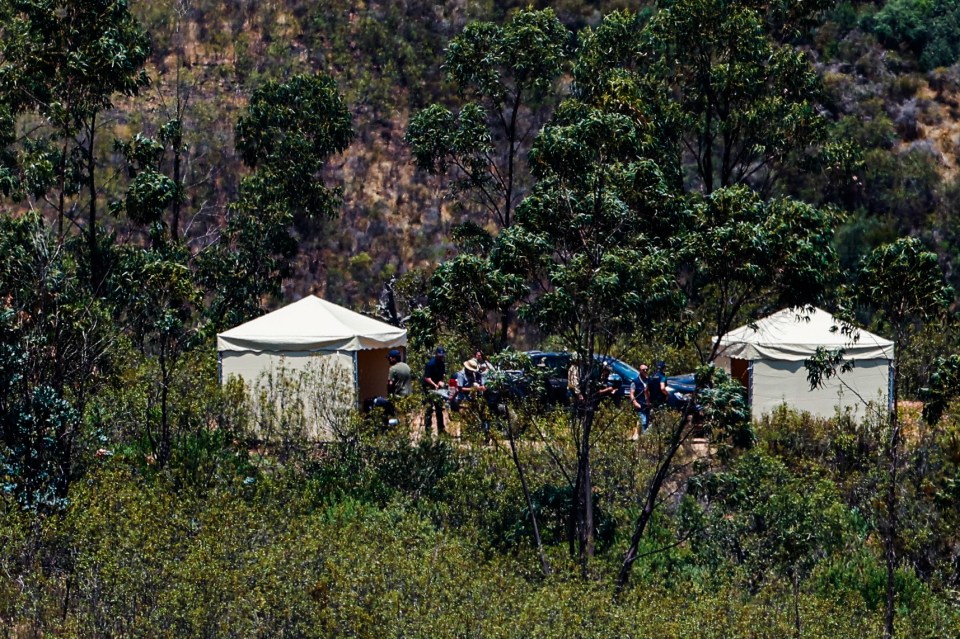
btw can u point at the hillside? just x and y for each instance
(387, 59)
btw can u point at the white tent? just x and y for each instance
(769, 356)
(337, 357)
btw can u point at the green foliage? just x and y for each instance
(928, 28)
(528, 52)
(944, 387)
(33, 416)
(785, 256)
(66, 62)
(743, 104)
(288, 133)
(56, 344)
(766, 521)
(903, 282)
(507, 73)
(108, 49)
(580, 235)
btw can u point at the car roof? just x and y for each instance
(619, 366)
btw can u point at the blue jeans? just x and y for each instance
(643, 414)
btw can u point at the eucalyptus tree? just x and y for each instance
(579, 239)
(150, 191)
(65, 61)
(745, 257)
(286, 136)
(904, 285)
(157, 298)
(742, 104)
(55, 345)
(508, 75)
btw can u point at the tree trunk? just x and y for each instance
(506, 318)
(526, 495)
(796, 605)
(178, 198)
(650, 503)
(163, 454)
(62, 198)
(96, 275)
(891, 529)
(584, 493)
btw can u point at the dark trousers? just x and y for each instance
(433, 403)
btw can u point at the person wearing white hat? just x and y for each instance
(469, 382)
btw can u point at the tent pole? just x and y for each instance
(356, 380)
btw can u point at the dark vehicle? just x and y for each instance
(553, 367)
(556, 365)
(679, 387)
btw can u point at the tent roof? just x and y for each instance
(311, 324)
(794, 334)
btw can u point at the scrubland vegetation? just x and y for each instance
(602, 178)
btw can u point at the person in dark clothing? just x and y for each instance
(657, 384)
(640, 397)
(610, 384)
(434, 379)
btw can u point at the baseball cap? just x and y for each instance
(394, 353)
(441, 351)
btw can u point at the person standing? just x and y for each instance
(609, 385)
(658, 385)
(400, 378)
(640, 397)
(574, 390)
(434, 379)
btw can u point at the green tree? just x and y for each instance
(508, 74)
(785, 258)
(903, 284)
(56, 350)
(287, 135)
(150, 192)
(579, 238)
(65, 61)
(760, 517)
(155, 294)
(741, 104)
(33, 417)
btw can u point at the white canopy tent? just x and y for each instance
(769, 359)
(336, 357)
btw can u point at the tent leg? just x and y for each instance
(356, 380)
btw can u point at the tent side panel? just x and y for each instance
(778, 382)
(318, 385)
